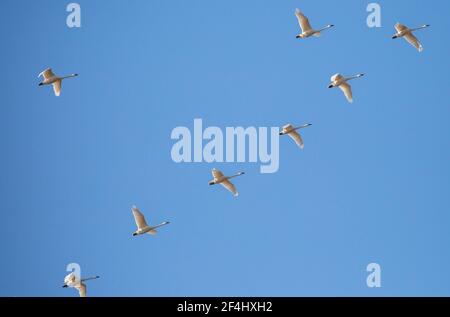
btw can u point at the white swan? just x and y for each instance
(73, 281)
(219, 178)
(142, 225)
(404, 31)
(51, 79)
(339, 81)
(307, 30)
(291, 131)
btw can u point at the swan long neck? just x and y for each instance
(235, 175)
(69, 76)
(161, 224)
(89, 278)
(354, 77)
(303, 126)
(419, 28)
(325, 28)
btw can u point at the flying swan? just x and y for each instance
(73, 281)
(306, 28)
(142, 226)
(291, 131)
(339, 81)
(407, 33)
(51, 79)
(219, 178)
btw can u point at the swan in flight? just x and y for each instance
(219, 178)
(290, 130)
(51, 79)
(73, 281)
(407, 33)
(142, 225)
(339, 81)
(307, 30)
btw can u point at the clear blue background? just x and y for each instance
(372, 184)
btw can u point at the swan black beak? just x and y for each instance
(40, 84)
(298, 37)
(281, 133)
(211, 183)
(394, 37)
(134, 234)
(64, 286)
(330, 86)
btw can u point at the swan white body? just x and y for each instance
(407, 33)
(73, 281)
(291, 131)
(306, 28)
(141, 223)
(219, 178)
(51, 79)
(342, 82)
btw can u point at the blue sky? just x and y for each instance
(370, 186)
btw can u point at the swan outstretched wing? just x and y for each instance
(413, 41)
(81, 289)
(297, 138)
(347, 89)
(336, 77)
(303, 21)
(287, 128)
(48, 73)
(139, 218)
(57, 87)
(216, 174)
(228, 185)
(400, 27)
